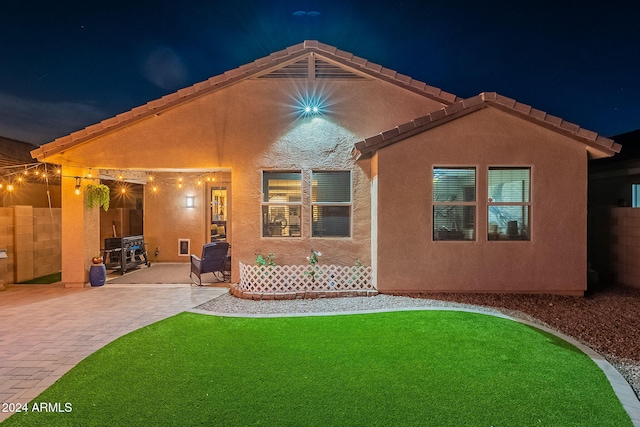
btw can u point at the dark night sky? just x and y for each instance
(67, 65)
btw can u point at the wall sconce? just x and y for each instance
(78, 183)
(190, 201)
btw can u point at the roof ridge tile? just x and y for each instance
(454, 108)
(506, 101)
(358, 61)
(326, 48)
(523, 108)
(373, 66)
(343, 54)
(295, 48)
(391, 133)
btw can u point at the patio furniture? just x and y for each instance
(214, 260)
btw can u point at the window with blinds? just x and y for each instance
(281, 204)
(509, 204)
(454, 203)
(331, 203)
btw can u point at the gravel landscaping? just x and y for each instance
(608, 321)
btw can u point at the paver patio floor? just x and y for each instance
(45, 330)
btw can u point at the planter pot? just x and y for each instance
(97, 274)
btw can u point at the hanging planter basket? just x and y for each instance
(98, 195)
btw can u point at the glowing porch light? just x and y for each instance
(77, 190)
(190, 201)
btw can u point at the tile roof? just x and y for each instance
(606, 146)
(259, 66)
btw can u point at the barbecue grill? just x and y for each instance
(125, 253)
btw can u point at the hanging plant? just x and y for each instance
(98, 195)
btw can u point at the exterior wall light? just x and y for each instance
(190, 201)
(311, 109)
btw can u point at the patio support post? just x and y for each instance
(80, 228)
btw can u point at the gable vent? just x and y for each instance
(322, 70)
(326, 70)
(296, 70)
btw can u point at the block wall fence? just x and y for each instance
(625, 246)
(32, 238)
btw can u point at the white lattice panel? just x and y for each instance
(299, 278)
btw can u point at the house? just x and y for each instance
(315, 148)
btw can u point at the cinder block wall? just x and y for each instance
(32, 238)
(625, 246)
(6, 242)
(47, 241)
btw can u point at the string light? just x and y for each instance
(38, 173)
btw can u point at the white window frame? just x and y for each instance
(349, 204)
(440, 203)
(299, 204)
(523, 204)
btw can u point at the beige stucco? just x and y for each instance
(554, 261)
(243, 129)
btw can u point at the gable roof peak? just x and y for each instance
(604, 147)
(261, 66)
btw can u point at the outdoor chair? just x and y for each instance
(214, 260)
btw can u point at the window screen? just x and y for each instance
(454, 203)
(635, 195)
(281, 204)
(331, 203)
(509, 203)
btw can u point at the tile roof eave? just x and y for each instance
(607, 147)
(258, 66)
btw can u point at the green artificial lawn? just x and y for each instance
(44, 280)
(435, 368)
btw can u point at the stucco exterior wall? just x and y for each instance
(246, 128)
(553, 261)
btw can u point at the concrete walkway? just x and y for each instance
(45, 330)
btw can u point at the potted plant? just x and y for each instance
(98, 195)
